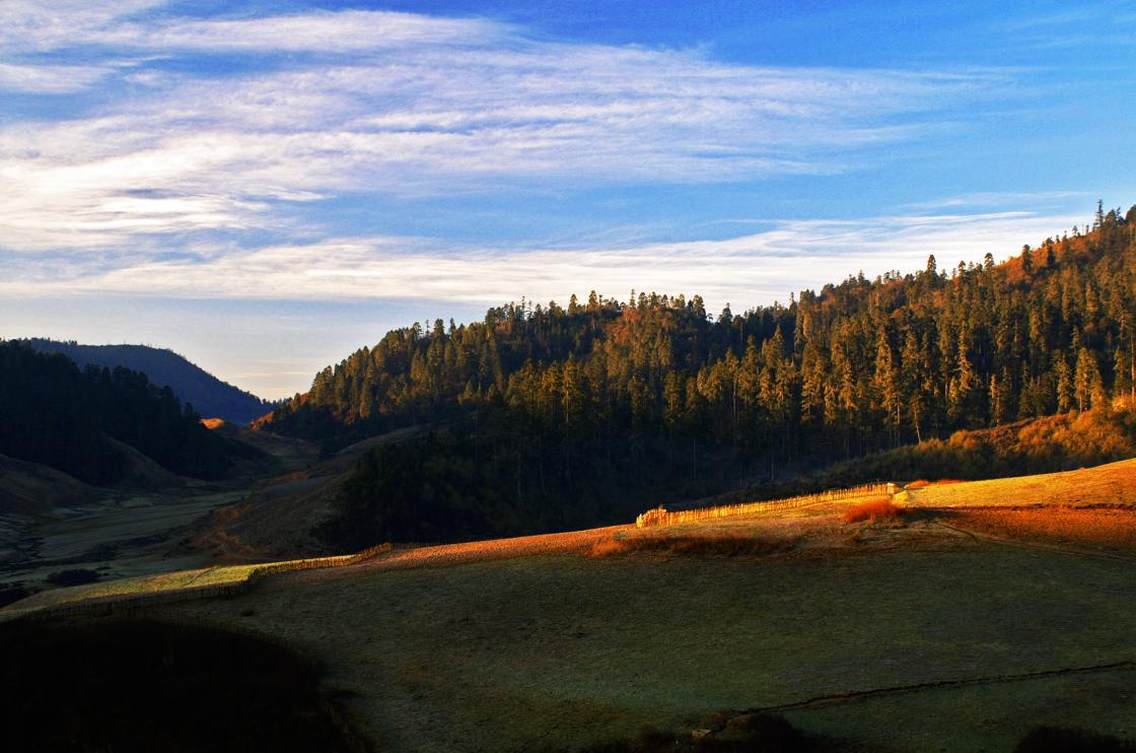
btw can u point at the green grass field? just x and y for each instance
(567, 650)
(905, 635)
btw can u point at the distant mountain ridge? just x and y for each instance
(209, 396)
(106, 427)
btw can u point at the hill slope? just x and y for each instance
(208, 395)
(555, 416)
(90, 423)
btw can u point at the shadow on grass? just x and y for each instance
(1062, 740)
(134, 685)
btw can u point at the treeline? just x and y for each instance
(54, 414)
(860, 366)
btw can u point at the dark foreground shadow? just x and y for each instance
(135, 685)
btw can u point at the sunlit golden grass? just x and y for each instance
(1114, 529)
(924, 483)
(1113, 484)
(180, 580)
(204, 579)
(880, 508)
(228, 577)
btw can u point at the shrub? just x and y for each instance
(881, 508)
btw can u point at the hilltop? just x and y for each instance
(208, 395)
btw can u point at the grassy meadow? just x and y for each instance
(963, 614)
(564, 651)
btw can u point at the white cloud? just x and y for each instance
(38, 26)
(396, 103)
(745, 271)
(1000, 199)
(49, 79)
(324, 32)
(43, 25)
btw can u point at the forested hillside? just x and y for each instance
(57, 415)
(858, 366)
(654, 393)
(191, 384)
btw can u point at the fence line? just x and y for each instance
(660, 516)
(130, 603)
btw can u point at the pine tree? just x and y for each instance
(887, 386)
(1088, 387)
(1066, 394)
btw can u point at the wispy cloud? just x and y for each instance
(50, 79)
(30, 26)
(399, 104)
(1000, 199)
(34, 26)
(746, 270)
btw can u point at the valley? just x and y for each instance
(54, 529)
(960, 634)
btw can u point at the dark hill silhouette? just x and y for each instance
(208, 395)
(95, 423)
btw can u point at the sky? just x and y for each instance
(266, 187)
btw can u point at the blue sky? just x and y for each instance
(265, 187)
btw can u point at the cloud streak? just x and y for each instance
(747, 270)
(397, 104)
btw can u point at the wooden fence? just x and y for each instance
(131, 603)
(660, 516)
